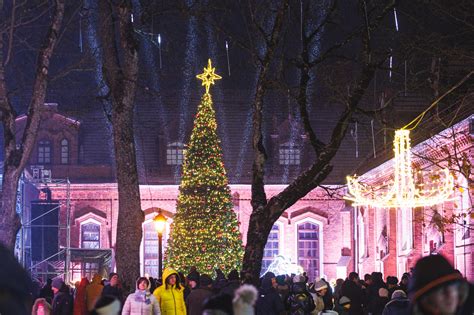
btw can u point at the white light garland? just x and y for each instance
(402, 192)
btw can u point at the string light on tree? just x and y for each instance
(205, 231)
(402, 191)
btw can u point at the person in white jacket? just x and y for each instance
(142, 302)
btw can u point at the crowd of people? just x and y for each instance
(434, 287)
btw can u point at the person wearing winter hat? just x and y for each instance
(62, 301)
(392, 285)
(244, 300)
(318, 290)
(404, 282)
(197, 297)
(80, 307)
(218, 305)
(141, 302)
(398, 305)
(300, 300)
(170, 294)
(269, 301)
(41, 307)
(107, 305)
(343, 306)
(233, 283)
(352, 289)
(114, 287)
(193, 279)
(94, 291)
(282, 287)
(437, 288)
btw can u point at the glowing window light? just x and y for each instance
(402, 192)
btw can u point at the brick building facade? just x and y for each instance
(320, 232)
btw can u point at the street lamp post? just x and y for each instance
(160, 225)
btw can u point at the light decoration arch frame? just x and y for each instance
(401, 191)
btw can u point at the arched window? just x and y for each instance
(289, 154)
(308, 248)
(271, 248)
(44, 152)
(64, 151)
(175, 153)
(90, 235)
(150, 249)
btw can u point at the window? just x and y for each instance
(90, 233)
(150, 250)
(308, 248)
(175, 153)
(64, 151)
(289, 154)
(271, 249)
(44, 152)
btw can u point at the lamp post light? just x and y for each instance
(160, 225)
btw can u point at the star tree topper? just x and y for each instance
(208, 76)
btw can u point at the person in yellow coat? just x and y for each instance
(170, 294)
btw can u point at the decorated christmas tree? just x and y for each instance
(205, 230)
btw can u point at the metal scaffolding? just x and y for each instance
(59, 262)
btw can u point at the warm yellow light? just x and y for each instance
(160, 223)
(402, 192)
(208, 76)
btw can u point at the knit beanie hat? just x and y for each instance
(320, 285)
(57, 283)
(269, 275)
(431, 272)
(344, 300)
(244, 300)
(218, 304)
(205, 280)
(399, 294)
(194, 276)
(280, 280)
(392, 280)
(233, 275)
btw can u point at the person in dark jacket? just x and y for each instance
(15, 285)
(269, 301)
(233, 283)
(282, 288)
(328, 297)
(62, 301)
(197, 297)
(113, 288)
(220, 281)
(404, 282)
(392, 285)
(352, 290)
(300, 301)
(375, 301)
(46, 291)
(398, 305)
(437, 288)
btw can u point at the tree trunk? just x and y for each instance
(16, 157)
(266, 213)
(121, 72)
